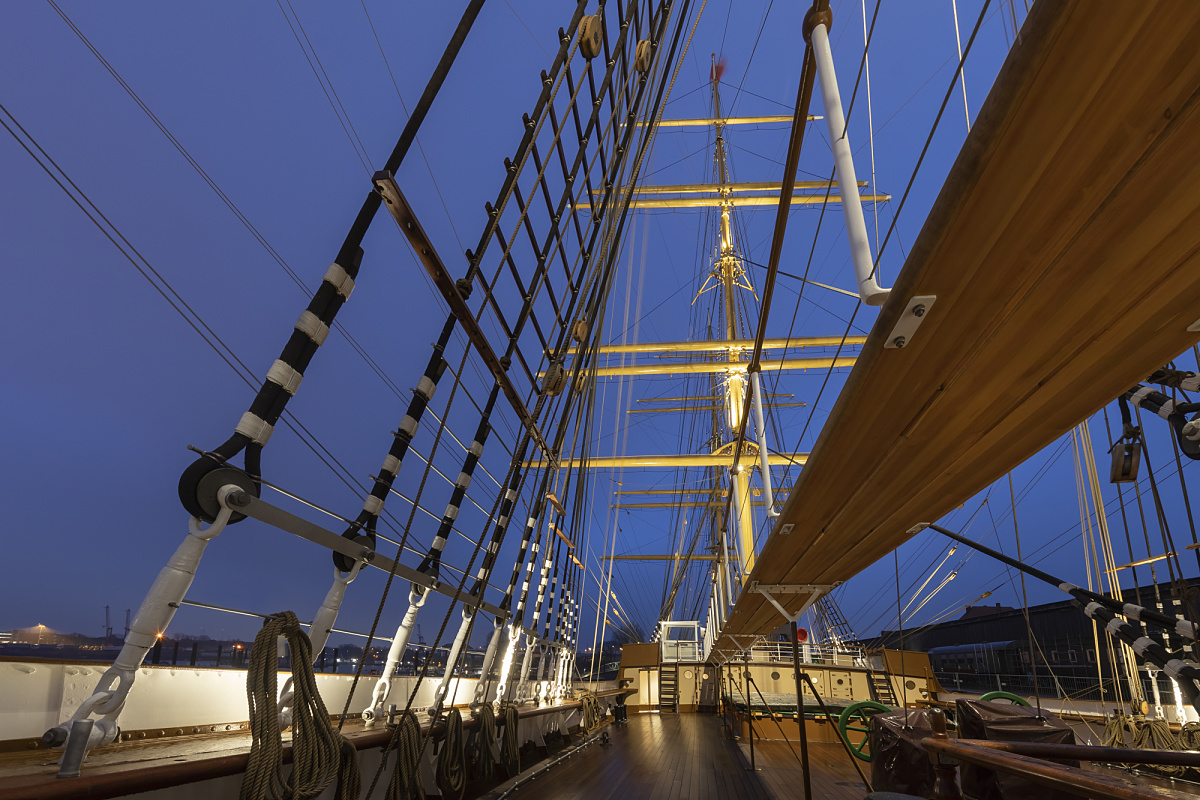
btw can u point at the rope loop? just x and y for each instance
(320, 754)
(451, 763)
(510, 745)
(592, 714)
(405, 783)
(483, 765)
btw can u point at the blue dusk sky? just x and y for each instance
(103, 385)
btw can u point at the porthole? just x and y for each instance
(774, 676)
(910, 684)
(687, 673)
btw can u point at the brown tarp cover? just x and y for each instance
(1002, 722)
(898, 761)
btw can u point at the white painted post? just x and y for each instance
(761, 428)
(374, 709)
(856, 227)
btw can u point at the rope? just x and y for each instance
(451, 763)
(1115, 728)
(592, 714)
(405, 783)
(1156, 734)
(1151, 735)
(320, 754)
(484, 766)
(1189, 737)
(510, 745)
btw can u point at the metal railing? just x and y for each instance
(815, 654)
(1074, 687)
(680, 651)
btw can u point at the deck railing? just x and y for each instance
(674, 650)
(815, 654)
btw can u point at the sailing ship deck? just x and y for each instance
(689, 757)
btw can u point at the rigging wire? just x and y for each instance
(176, 301)
(428, 167)
(962, 74)
(900, 207)
(1025, 596)
(335, 102)
(371, 363)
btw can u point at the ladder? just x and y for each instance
(838, 632)
(668, 687)
(881, 687)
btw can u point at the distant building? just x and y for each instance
(988, 647)
(40, 635)
(974, 612)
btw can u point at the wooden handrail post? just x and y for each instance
(945, 786)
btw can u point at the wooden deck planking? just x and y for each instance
(1063, 254)
(687, 757)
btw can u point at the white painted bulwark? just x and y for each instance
(38, 696)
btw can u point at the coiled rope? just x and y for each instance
(405, 783)
(1189, 736)
(451, 763)
(320, 754)
(1151, 735)
(510, 745)
(1115, 728)
(1156, 734)
(484, 766)
(592, 715)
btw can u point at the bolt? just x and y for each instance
(919, 310)
(239, 499)
(899, 341)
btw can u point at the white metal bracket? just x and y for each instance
(906, 327)
(812, 589)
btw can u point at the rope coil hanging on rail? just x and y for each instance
(405, 783)
(451, 762)
(320, 754)
(483, 765)
(510, 745)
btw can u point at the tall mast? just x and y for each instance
(731, 273)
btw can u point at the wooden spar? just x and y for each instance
(674, 461)
(704, 367)
(688, 504)
(1064, 252)
(698, 397)
(684, 409)
(704, 557)
(706, 121)
(707, 492)
(698, 188)
(750, 201)
(722, 345)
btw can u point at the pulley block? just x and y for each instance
(554, 380)
(643, 56)
(1126, 456)
(591, 36)
(200, 483)
(579, 331)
